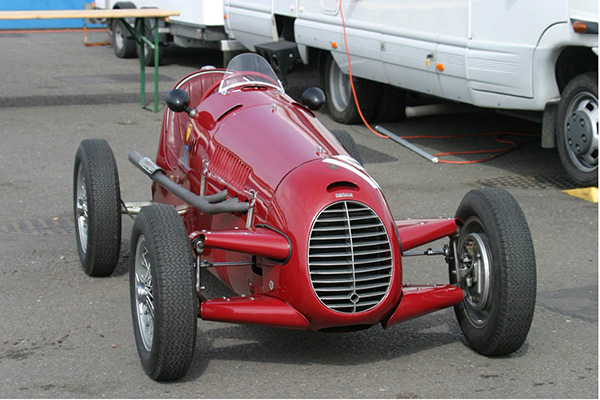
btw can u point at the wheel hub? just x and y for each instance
(581, 131)
(478, 281)
(142, 292)
(476, 262)
(119, 36)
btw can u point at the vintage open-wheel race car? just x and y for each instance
(250, 185)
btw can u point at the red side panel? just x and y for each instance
(257, 310)
(416, 232)
(421, 300)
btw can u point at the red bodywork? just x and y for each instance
(256, 141)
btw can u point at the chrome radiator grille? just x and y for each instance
(349, 257)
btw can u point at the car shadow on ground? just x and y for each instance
(248, 343)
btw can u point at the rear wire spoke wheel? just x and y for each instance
(143, 295)
(497, 272)
(164, 303)
(96, 207)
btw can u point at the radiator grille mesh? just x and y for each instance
(349, 257)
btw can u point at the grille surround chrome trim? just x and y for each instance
(349, 254)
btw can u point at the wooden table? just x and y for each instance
(121, 14)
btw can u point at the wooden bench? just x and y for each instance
(121, 14)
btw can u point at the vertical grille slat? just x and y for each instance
(349, 257)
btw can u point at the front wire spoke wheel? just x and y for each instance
(81, 205)
(164, 301)
(144, 298)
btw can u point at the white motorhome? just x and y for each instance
(531, 55)
(199, 24)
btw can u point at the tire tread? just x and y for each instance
(517, 302)
(176, 306)
(103, 193)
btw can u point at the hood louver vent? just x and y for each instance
(229, 167)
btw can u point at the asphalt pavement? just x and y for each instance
(64, 334)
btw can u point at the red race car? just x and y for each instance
(250, 185)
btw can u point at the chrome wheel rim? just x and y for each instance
(143, 293)
(340, 90)
(81, 209)
(581, 131)
(476, 261)
(119, 36)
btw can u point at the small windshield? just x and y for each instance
(249, 69)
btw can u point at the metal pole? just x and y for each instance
(155, 64)
(407, 144)
(142, 63)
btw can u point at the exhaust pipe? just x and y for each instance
(213, 204)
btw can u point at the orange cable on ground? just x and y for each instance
(85, 42)
(500, 151)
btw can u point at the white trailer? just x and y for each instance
(525, 55)
(199, 24)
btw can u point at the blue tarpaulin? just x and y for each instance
(11, 5)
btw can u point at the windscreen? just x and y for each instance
(249, 69)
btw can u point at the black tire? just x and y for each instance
(392, 104)
(123, 44)
(349, 144)
(339, 98)
(97, 207)
(577, 129)
(496, 316)
(149, 33)
(159, 242)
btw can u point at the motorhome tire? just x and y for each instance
(339, 97)
(149, 34)
(577, 129)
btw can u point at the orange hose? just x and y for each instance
(85, 42)
(352, 81)
(500, 151)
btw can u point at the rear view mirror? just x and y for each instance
(178, 100)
